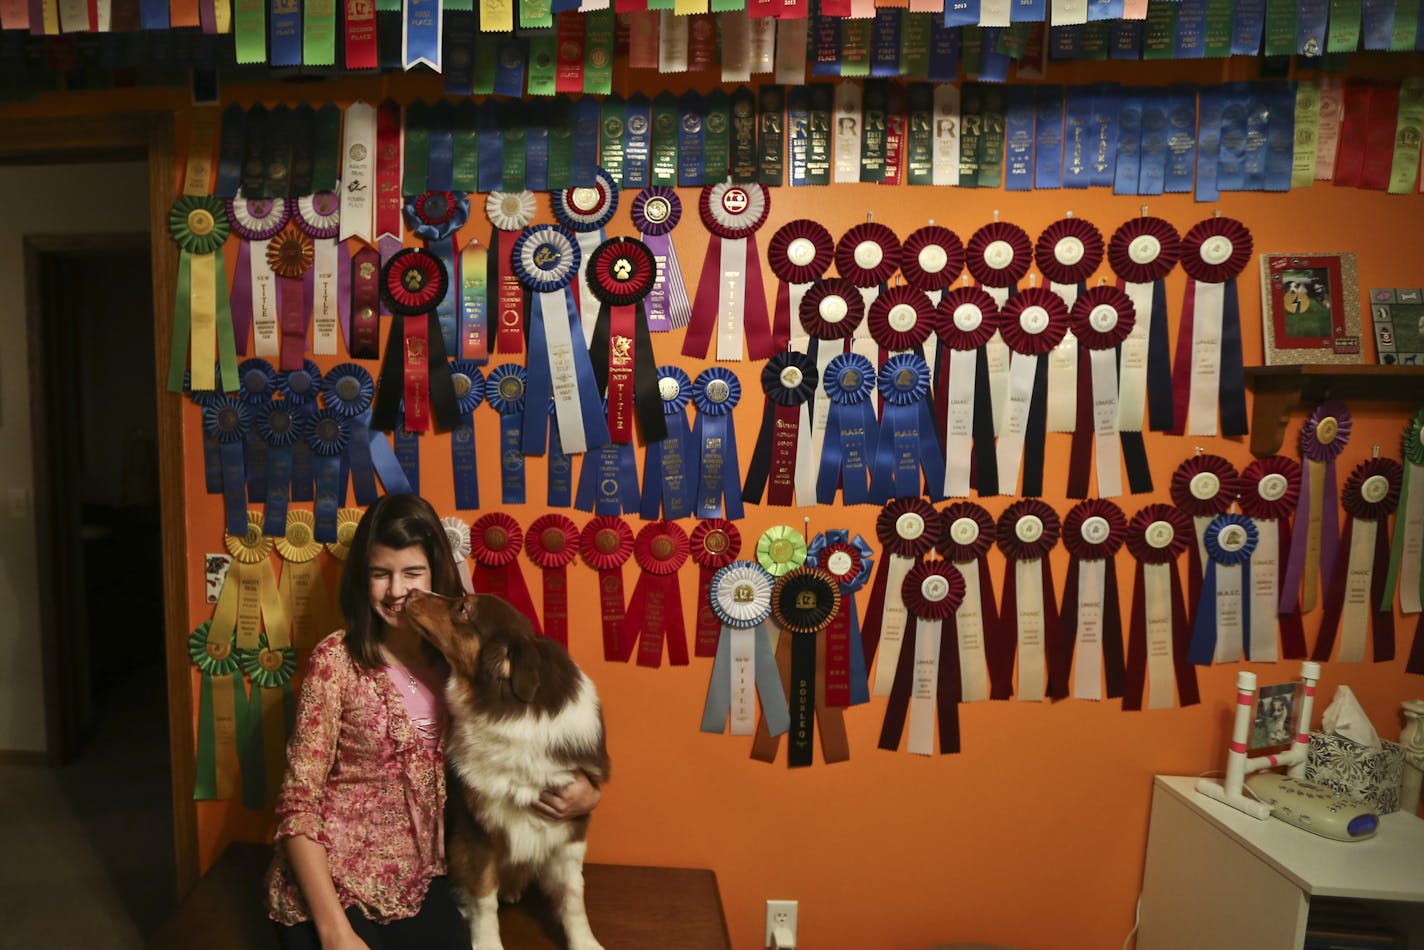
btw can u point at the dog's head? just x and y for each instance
(484, 639)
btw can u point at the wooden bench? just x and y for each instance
(631, 908)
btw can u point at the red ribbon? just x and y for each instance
(361, 34)
(365, 304)
(1183, 537)
(509, 338)
(416, 344)
(495, 541)
(875, 233)
(1379, 136)
(1045, 251)
(781, 483)
(292, 309)
(621, 327)
(948, 242)
(552, 544)
(388, 169)
(787, 272)
(606, 544)
(706, 308)
(986, 273)
(655, 610)
(715, 543)
(1003, 646)
(1195, 507)
(568, 75)
(838, 641)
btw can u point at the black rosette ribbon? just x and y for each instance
(868, 254)
(929, 662)
(552, 543)
(1270, 488)
(715, 393)
(901, 318)
(1370, 497)
(931, 258)
(1069, 251)
(1157, 536)
(1142, 252)
(1220, 634)
(906, 444)
(620, 274)
(655, 212)
(226, 421)
(202, 323)
(999, 254)
(714, 544)
(851, 431)
(850, 561)
(1093, 530)
(966, 320)
(1034, 322)
(908, 529)
(1214, 253)
(739, 597)
(495, 542)
(803, 603)
(655, 609)
(435, 217)
(730, 300)
(1101, 319)
(1028, 617)
(1203, 486)
(328, 436)
(670, 466)
(799, 253)
(789, 381)
(505, 392)
(415, 370)
(468, 383)
(606, 544)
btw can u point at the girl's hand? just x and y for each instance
(573, 800)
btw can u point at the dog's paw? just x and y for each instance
(510, 895)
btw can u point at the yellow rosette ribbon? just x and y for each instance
(302, 589)
(249, 599)
(346, 521)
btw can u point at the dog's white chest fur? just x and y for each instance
(507, 762)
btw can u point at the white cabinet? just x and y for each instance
(1217, 878)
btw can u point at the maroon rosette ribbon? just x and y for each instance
(1216, 250)
(715, 543)
(1371, 494)
(868, 254)
(1270, 488)
(999, 254)
(734, 211)
(1027, 531)
(967, 318)
(621, 271)
(832, 309)
(901, 318)
(1068, 251)
(942, 600)
(732, 214)
(606, 544)
(1034, 321)
(655, 609)
(908, 528)
(1094, 530)
(1020, 538)
(1144, 250)
(968, 532)
(1205, 486)
(1102, 317)
(800, 251)
(552, 543)
(932, 591)
(1156, 536)
(495, 542)
(931, 258)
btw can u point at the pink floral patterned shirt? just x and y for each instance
(361, 783)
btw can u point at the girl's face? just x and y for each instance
(394, 573)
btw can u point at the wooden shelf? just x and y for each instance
(1281, 389)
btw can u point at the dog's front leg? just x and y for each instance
(563, 880)
(484, 909)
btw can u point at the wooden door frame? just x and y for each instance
(150, 136)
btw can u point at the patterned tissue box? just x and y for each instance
(1368, 775)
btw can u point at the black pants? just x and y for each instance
(438, 926)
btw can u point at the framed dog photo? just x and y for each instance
(1398, 317)
(1310, 308)
(1274, 719)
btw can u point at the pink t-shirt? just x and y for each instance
(420, 690)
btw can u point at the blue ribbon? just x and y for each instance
(1130, 142)
(458, 42)
(1048, 138)
(561, 467)
(1154, 136)
(859, 678)
(440, 239)
(422, 33)
(491, 149)
(1125, 43)
(850, 431)
(440, 174)
(505, 390)
(691, 163)
(462, 439)
(1160, 410)
(536, 155)
(1181, 105)
(1280, 134)
(329, 436)
(227, 421)
(826, 41)
(961, 13)
(608, 483)
(1231, 151)
(299, 390)
(153, 15)
(387, 465)
(885, 42)
(944, 52)
(638, 146)
(993, 65)
(585, 158)
(670, 466)
(1213, 101)
(1246, 27)
(1310, 32)
(907, 441)
(280, 429)
(715, 393)
(1191, 25)
(1028, 11)
(1105, 10)
(1203, 645)
(541, 386)
(1019, 140)
(1079, 146)
(361, 461)
(1063, 42)
(509, 68)
(284, 31)
(1377, 24)
(230, 152)
(1232, 386)
(1104, 130)
(258, 383)
(408, 456)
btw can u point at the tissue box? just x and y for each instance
(1368, 775)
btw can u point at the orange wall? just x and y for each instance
(1034, 835)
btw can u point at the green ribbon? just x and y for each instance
(1216, 33)
(182, 323)
(199, 225)
(1343, 36)
(561, 145)
(727, 6)
(1408, 127)
(771, 136)
(1282, 29)
(319, 33)
(875, 105)
(227, 342)
(326, 148)
(226, 667)
(512, 148)
(1014, 40)
(919, 150)
(198, 235)
(1307, 131)
(543, 63)
(915, 44)
(780, 550)
(1413, 457)
(614, 126)
(417, 149)
(249, 29)
(664, 168)
(971, 105)
(991, 136)
(971, 51)
(260, 743)
(600, 28)
(1406, 26)
(716, 132)
(535, 14)
(1159, 34)
(467, 148)
(855, 47)
(486, 57)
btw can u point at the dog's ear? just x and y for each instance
(491, 613)
(523, 662)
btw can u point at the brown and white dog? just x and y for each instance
(523, 718)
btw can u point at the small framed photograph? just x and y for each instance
(1310, 308)
(1398, 316)
(1274, 719)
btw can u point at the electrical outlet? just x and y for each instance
(780, 915)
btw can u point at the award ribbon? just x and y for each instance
(670, 466)
(222, 702)
(202, 315)
(414, 283)
(1068, 252)
(561, 470)
(1033, 323)
(1091, 643)
(281, 430)
(1203, 486)
(967, 533)
(998, 256)
(347, 390)
(850, 432)
(586, 210)
(469, 385)
(968, 319)
(339, 546)
(495, 541)
(867, 255)
(927, 676)
(908, 529)
(605, 544)
(789, 381)
(226, 421)
(831, 310)
(363, 342)
(1223, 612)
(1317, 523)
(1102, 319)
(290, 255)
(715, 393)
(1370, 496)
(302, 588)
(608, 481)
(655, 213)
(900, 319)
(799, 253)
(780, 549)
(849, 561)
(435, 217)
(1028, 617)
(1158, 637)
(249, 600)
(212, 455)
(621, 273)
(259, 382)
(907, 442)
(504, 389)
(1406, 570)
(546, 259)
(931, 259)
(319, 215)
(552, 543)
(730, 299)
(1270, 488)
(271, 713)
(507, 211)
(803, 604)
(1208, 373)
(655, 609)
(457, 532)
(745, 666)
(1142, 252)
(253, 300)
(715, 543)
(329, 437)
